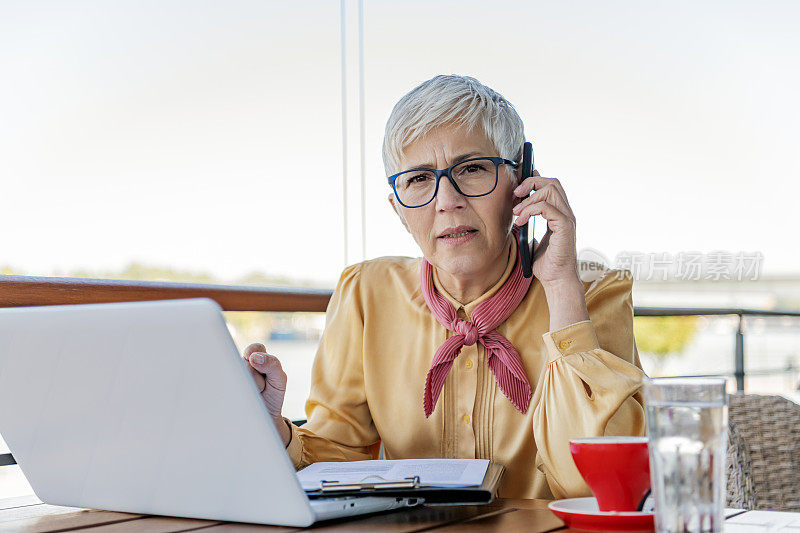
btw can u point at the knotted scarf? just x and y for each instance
(501, 357)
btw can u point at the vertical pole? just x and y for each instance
(739, 357)
(343, 28)
(362, 130)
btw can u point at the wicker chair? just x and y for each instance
(763, 452)
(741, 493)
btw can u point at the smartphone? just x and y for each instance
(525, 250)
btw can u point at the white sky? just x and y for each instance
(206, 135)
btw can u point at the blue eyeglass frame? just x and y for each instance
(447, 172)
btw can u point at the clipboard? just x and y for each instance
(411, 487)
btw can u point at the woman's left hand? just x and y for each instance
(555, 258)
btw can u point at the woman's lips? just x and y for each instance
(456, 229)
(458, 237)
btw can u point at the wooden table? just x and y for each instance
(28, 514)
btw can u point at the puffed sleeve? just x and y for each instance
(339, 426)
(591, 385)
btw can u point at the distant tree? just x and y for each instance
(785, 301)
(141, 272)
(246, 326)
(261, 279)
(663, 337)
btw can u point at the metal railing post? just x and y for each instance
(739, 356)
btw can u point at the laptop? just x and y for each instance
(148, 407)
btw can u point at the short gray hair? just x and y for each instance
(452, 100)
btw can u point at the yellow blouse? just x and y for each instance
(379, 340)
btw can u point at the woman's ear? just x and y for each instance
(396, 207)
(517, 199)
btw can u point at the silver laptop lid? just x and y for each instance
(142, 407)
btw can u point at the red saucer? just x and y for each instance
(583, 513)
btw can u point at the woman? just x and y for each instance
(457, 354)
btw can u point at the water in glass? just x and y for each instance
(687, 430)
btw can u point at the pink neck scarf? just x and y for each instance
(501, 357)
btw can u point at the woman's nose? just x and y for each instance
(448, 198)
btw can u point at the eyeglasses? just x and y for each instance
(472, 177)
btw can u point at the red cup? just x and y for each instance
(617, 469)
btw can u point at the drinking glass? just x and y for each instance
(687, 427)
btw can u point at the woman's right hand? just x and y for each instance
(271, 382)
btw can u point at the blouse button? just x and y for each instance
(468, 364)
(466, 419)
(563, 345)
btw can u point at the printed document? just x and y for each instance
(431, 472)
